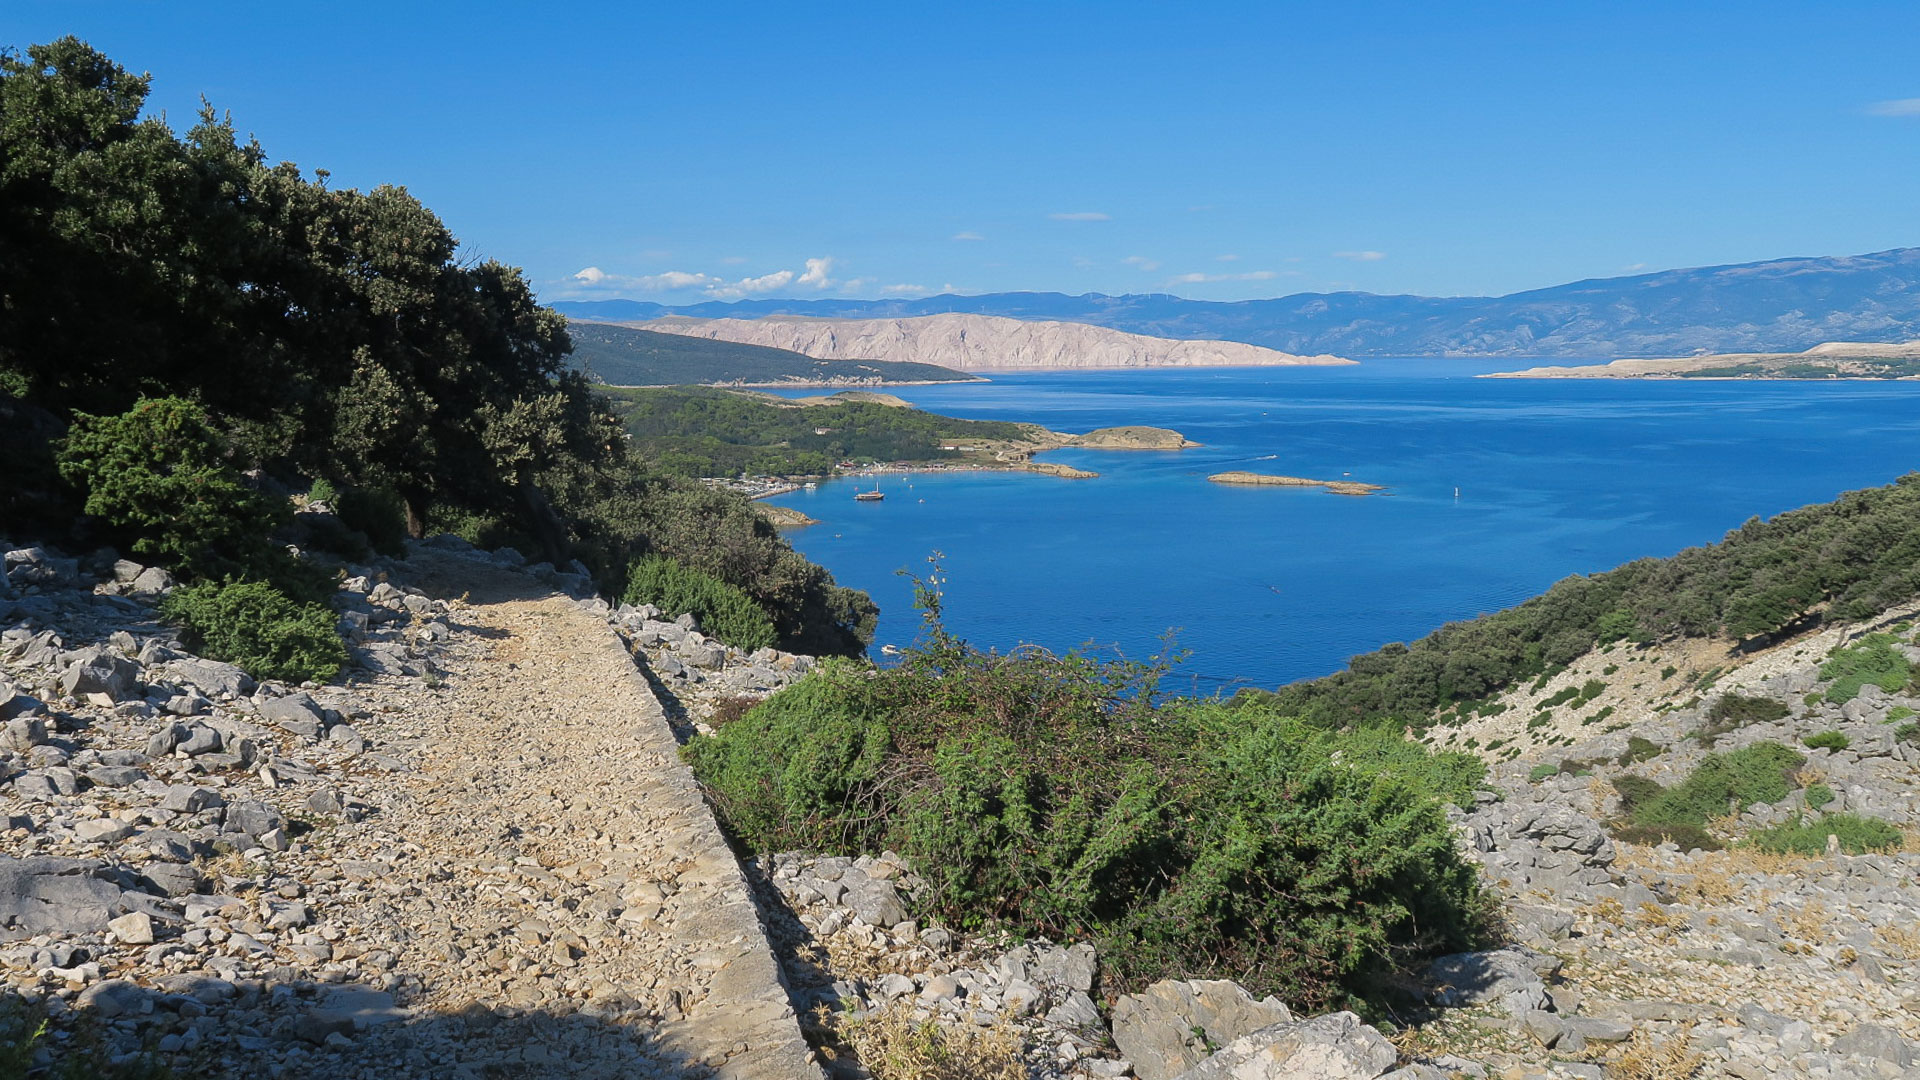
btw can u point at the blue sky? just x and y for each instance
(1223, 151)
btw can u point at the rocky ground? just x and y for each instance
(478, 855)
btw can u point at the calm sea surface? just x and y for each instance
(1264, 586)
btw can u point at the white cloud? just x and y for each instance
(1141, 262)
(1198, 279)
(748, 286)
(594, 279)
(968, 236)
(905, 290)
(1226, 258)
(1081, 215)
(671, 281)
(1896, 107)
(1361, 256)
(816, 273)
(855, 284)
(1631, 267)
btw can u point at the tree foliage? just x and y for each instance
(306, 332)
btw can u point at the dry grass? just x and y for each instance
(1901, 941)
(1710, 885)
(1808, 924)
(1664, 920)
(1649, 1058)
(896, 1043)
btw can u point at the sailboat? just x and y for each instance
(869, 496)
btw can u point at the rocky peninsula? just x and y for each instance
(1254, 479)
(1832, 360)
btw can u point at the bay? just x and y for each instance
(1263, 586)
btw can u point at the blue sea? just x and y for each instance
(1495, 489)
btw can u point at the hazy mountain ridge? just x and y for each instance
(1776, 305)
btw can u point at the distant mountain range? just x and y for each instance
(1775, 306)
(625, 356)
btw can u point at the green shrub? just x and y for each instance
(724, 611)
(1668, 672)
(258, 627)
(1857, 836)
(1733, 711)
(1615, 625)
(1052, 795)
(1541, 772)
(1611, 669)
(162, 473)
(1635, 791)
(1818, 795)
(1723, 782)
(1600, 714)
(1872, 660)
(378, 513)
(1908, 732)
(1899, 713)
(1827, 740)
(1638, 750)
(1687, 837)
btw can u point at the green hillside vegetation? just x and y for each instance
(190, 333)
(1837, 561)
(629, 356)
(692, 431)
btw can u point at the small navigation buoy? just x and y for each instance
(1456, 493)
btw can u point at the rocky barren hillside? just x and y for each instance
(979, 343)
(479, 855)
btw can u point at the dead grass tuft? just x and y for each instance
(1808, 924)
(895, 1043)
(1901, 941)
(1650, 1058)
(1665, 920)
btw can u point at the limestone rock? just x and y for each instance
(43, 894)
(1336, 1046)
(1509, 977)
(1156, 1029)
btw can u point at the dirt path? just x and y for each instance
(550, 860)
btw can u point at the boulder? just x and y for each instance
(1336, 1046)
(22, 733)
(297, 714)
(152, 581)
(1875, 1042)
(1165, 1030)
(211, 676)
(44, 894)
(116, 997)
(1511, 978)
(101, 671)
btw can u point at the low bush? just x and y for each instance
(1873, 659)
(1739, 710)
(163, 475)
(379, 514)
(1635, 792)
(1541, 772)
(1818, 795)
(1899, 713)
(1723, 782)
(1827, 740)
(258, 627)
(1908, 732)
(1051, 795)
(723, 611)
(1638, 750)
(1857, 836)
